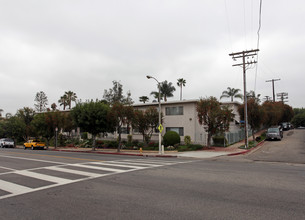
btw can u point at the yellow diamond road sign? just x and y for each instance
(160, 128)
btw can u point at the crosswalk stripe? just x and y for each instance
(117, 165)
(14, 188)
(65, 170)
(99, 168)
(134, 163)
(150, 162)
(44, 177)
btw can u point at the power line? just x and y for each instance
(258, 37)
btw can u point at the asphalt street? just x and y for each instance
(62, 185)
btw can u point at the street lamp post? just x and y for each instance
(150, 77)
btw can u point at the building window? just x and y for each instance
(178, 110)
(179, 130)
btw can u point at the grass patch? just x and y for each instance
(191, 147)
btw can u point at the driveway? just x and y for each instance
(290, 150)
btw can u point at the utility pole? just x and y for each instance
(245, 64)
(282, 96)
(272, 80)
(267, 98)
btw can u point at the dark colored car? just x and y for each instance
(286, 126)
(274, 133)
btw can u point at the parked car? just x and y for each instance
(7, 142)
(286, 126)
(274, 133)
(34, 144)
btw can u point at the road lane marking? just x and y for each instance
(116, 165)
(23, 158)
(61, 157)
(134, 163)
(6, 168)
(44, 177)
(65, 170)
(150, 161)
(98, 168)
(13, 188)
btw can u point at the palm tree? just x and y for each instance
(156, 95)
(231, 93)
(181, 82)
(143, 99)
(71, 96)
(167, 89)
(63, 101)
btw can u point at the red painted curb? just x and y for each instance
(247, 151)
(116, 153)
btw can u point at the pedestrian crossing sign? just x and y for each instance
(160, 128)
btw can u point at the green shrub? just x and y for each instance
(112, 144)
(135, 143)
(187, 140)
(84, 136)
(140, 145)
(191, 147)
(171, 138)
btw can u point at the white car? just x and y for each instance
(6, 142)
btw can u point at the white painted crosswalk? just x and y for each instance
(60, 174)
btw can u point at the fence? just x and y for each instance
(234, 137)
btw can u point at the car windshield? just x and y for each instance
(273, 130)
(7, 139)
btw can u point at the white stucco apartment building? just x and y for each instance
(181, 116)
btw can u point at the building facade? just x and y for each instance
(181, 116)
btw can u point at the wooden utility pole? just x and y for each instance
(245, 64)
(267, 98)
(282, 97)
(272, 80)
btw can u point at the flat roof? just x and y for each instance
(179, 102)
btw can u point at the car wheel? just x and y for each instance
(24, 147)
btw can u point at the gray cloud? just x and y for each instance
(56, 46)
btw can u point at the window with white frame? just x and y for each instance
(179, 130)
(177, 110)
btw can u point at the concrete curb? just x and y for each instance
(118, 153)
(248, 151)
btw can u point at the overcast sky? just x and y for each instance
(82, 46)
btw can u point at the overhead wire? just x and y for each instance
(258, 38)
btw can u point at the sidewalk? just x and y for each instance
(206, 153)
(231, 150)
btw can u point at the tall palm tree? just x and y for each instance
(143, 99)
(71, 96)
(167, 89)
(231, 93)
(181, 82)
(63, 101)
(156, 95)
